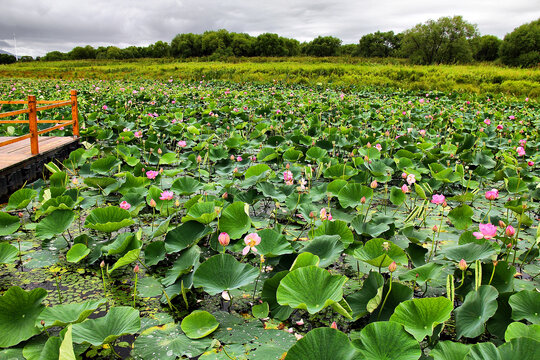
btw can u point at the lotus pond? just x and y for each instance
(246, 221)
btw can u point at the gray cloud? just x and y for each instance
(42, 26)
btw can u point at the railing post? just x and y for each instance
(74, 112)
(32, 117)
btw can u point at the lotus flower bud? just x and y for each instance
(224, 239)
(334, 325)
(435, 228)
(510, 231)
(102, 264)
(159, 151)
(153, 203)
(501, 224)
(392, 267)
(462, 265)
(136, 269)
(363, 200)
(373, 184)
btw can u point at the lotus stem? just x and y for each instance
(135, 287)
(58, 288)
(386, 297)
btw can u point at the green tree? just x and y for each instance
(446, 40)
(215, 41)
(349, 50)
(7, 59)
(54, 56)
(268, 44)
(242, 44)
(160, 49)
(486, 48)
(324, 46)
(521, 47)
(186, 45)
(379, 44)
(81, 53)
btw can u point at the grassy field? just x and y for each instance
(344, 72)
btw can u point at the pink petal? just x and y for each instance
(478, 235)
(245, 251)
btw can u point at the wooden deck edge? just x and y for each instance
(15, 176)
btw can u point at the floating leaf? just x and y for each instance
(199, 324)
(261, 311)
(461, 216)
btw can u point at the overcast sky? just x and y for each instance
(41, 26)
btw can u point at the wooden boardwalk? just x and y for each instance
(18, 165)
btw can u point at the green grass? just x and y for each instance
(380, 73)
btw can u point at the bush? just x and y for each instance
(521, 47)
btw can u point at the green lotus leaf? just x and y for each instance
(267, 154)
(235, 220)
(340, 171)
(123, 243)
(327, 247)
(336, 227)
(223, 272)
(518, 329)
(130, 257)
(367, 299)
(105, 165)
(199, 324)
(292, 155)
(352, 193)
(204, 212)
(108, 219)
(66, 347)
(186, 186)
(461, 216)
(62, 315)
(19, 310)
(395, 297)
(449, 350)
(483, 351)
(522, 348)
(182, 265)
(421, 316)
(387, 340)
(185, 235)
(8, 253)
(316, 153)
(305, 259)
(20, 199)
(56, 223)
(421, 274)
(168, 158)
(154, 253)
(477, 308)
(261, 311)
(322, 344)
(256, 170)
(469, 252)
(99, 182)
(273, 244)
(133, 182)
(63, 202)
(122, 320)
(526, 305)
(310, 288)
(77, 253)
(335, 186)
(268, 295)
(149, 287)
(373, 227)
(8, 224)
(167, 342)
(374, 253)
(397, 196)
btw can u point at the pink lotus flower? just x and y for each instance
(510, 231)
(530, 163)
(138, 134)
(422, 132)
(411, 179)
(487, 121)
(125, 205)
(224, 239)
(288, 177)
(487, 231)
(251, 240)
(104, 107)
(378, 147)
(151, 174)
(520, 151)
(405, 188)
(322, 214)
(239, 158)
(499, 127)
(166, 195)
(437, 199)
(182, 143)
(492, 194)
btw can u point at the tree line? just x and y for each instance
(448, 40)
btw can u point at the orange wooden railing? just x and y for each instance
(33, 122)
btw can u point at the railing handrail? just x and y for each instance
(33, 121)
